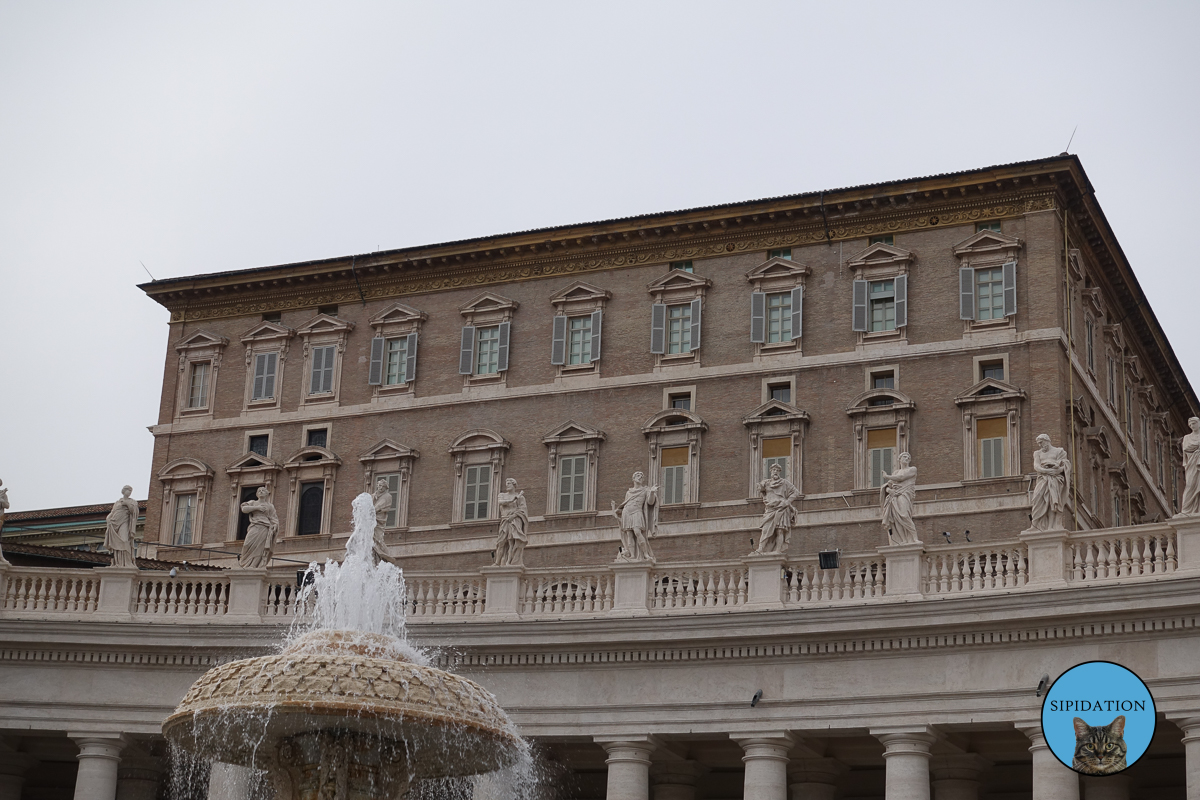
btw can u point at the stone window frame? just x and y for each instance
(660, 434)
(988, 250)
(775, 419)
(314, 426)
(200, 347)
(870, 372)
(181, 477)
(323, 330)
(394, 322)
(778, 275)
(486, 310)
(977, 363)
(580, 299)
(572, 439)
(388, 457)
(1097, 453)
(1007, 403)
(669, 391)
(473, 448)
(299, 471)
(867, 417)
(263, 338)
(250, 469)
(268, 432)
(677, 288)
(776, 380)
(881, 262)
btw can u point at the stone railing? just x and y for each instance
(975, 568)
(855, 578)
(51, 591)
(1122, 553)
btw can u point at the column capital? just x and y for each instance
(635, 749)
(773, 745)
(1190, 726)
(911, 739)
(99, 745)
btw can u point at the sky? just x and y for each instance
(183, 138)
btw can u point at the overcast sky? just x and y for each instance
(197, 137)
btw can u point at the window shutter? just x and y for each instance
(658, 328)
(327, 369)
(758, 317)
(597, 324)
(260, 370)
(268, 375)
(375, 373)
(901, 301)
(1010, 288)
(966, 293)
(502, 353)
(695, 343)
(558, 341)
(466, 353)
(797, 312)
(318, 358)
(860, 305)
(410, 365)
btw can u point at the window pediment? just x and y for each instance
(673, 419)
(388, 449)
(1097, 437)
(325, 324)
(988, 245)
(775, 411)
(572, 431)
(397, 314)
(678, 285)
(253, 462)
(311, 456)
(884, 257)
(201, 340)
(182, 468)
(479, 439)
(488, 307)
(981, 392)
(777, 273)
(862, 404)
(1117, 474)
(267, 332)
(580, 296)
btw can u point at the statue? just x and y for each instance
(779, 514)
(120, 526)
(896, 498)
(638, 520)
(260, 535)
(382, 499)
(3, 507)
(514, 526)
(1190, 504)
(1049, 494)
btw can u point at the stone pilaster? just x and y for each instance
(956, 777)
(765, 579)
(766, 760)
(117, 587)
(99, 757)
(246, 593)
(1051, 780)
(814, 778)
(904, 562)
(632, 587)
(502, 594)
(628, 767)
(1048, 561)
(906, 759)
(1191, 754)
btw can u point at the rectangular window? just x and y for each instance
(992, 435)
(675, 474)
(883, 380)
(393, 482)
(322, 369)
(1089, 339)
(312, 502)
(781, 392)
(478, 492)
(317, 437)
(1145, 440)
(1129, 408)
(1096, 493)
(1112, 384)
(395, 356)
(887, 239)
(258, 443)
(989, 293)
(1158, 446)
(991, 369)
(198, 385)
(681, 401)
(1116, 520)
(777, 451)
(987, 226)
(572, 472)
(247, 494)
(881, 450)
(679, 329)
(487, 350)
(686, 266)
(785, 252)
(264, 376)
(883, 305)
(185, 518)
(579, 340)
(273, 316)
(779, 317)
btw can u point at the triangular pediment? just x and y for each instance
(267, 330)
(990, 388)
(201, 338)
(774, 410)
(253, 461)
(679, 279)
(487, 301)
(880, 253)
(387, 448)
(580, 290)
(572, 431)
(987, 242)
(397, 312)
(323, 323)
(777, 267)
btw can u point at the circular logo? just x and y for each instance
(1098, 718)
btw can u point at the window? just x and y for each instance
(1089, 340)
(987, 226)
(1129, 408)
(393, 482)
(777, 452)
(989, 288)
(185, 518)
(1158, 446)
(1112, 384)
(885, 239)
(779, 317)
(322, 369)
(258, 443)
(883, 380)
(992, 436)
(264, 376)
(572, 478)
(675, 317)
(882, 300)
(478, 491)
(1145, 440)
(681, 401)
(330, 310)
(1095, 504)
(785, 253)
(483, 353)
(579, 340)
(679, 332)
(686, 266)
(781, 392)
(991, 369)
(487, 350)
(881, 450)
(198, 385)
(312, 499)
(317, 437)
(247, 494)
(393, 364)
(272, 316)
(395, 356)
(1116, 520)
(674, 479)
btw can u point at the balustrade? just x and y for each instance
(52, 591)
(955, 570)
(191, 596)
(455, 596)
(589, 593)
(701, 587)
(856, 578)
(1111, 555)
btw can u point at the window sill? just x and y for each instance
(473, 523)
(771, 348)
(552, 515)
(262, 405)
(318, 399)
(573, 369)
(484, 380)
(195, 412)
(391, 389)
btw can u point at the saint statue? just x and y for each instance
(514, 526)
(779, 513)
(896, 498)
(639, 520)
(120, 526)
(260, 534)
(3, 508)
(1191, 470)
(1049, 495)
(382, 500)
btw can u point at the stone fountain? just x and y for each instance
(348, 710)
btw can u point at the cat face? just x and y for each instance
(1099, 750)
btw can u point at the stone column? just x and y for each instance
(628, 767)
(1114, 787)
(674, 780)
(137, 778)
(766, 760)
(906, 756)
(99, 757)
(814, 778)
(1191, 754)
(957, 777)
(1051, 780)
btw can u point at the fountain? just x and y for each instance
(348, 710)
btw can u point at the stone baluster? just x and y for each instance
(1191, 754)
(1051, 780)
(628, 767)
(814, 778)
(766, 760)
(99, 757)
(1109, 787)
(956, 777)
(906, 759)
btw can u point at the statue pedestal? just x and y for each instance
(903, 565)
(502, 594)
(1187, 538)
(632, 586)
(245, 593)
(1048, 562)
(764, 579)
(117, 588)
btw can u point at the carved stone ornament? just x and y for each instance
(261, 533)
(896, 498)
(1190, 504)
(514, 526)
(1049, 494)
(119, 529)
(638, 517)
(779, 511)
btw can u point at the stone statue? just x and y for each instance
(1049, 495)
(382, 499)
(514, 526)
(3, 508)
(260, 534)
(638, 519)
(896, 498)
(120, 526)
(779, 513)
(1191, 470)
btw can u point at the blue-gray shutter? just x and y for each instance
(758, 317)
(695, 343)
(375, 372)
(260, 371)
(558, 341)
(466, 353)
(658, 328)
(966, 293)
(597, 325)
(269, 375)
(1010, 288)
(318, 356)
(901, 300)
(860, 306)
(502, 352)
(410, 365)
(797, 312)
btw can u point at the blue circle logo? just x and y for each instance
(1098, 718)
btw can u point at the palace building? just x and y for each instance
(954, 318)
